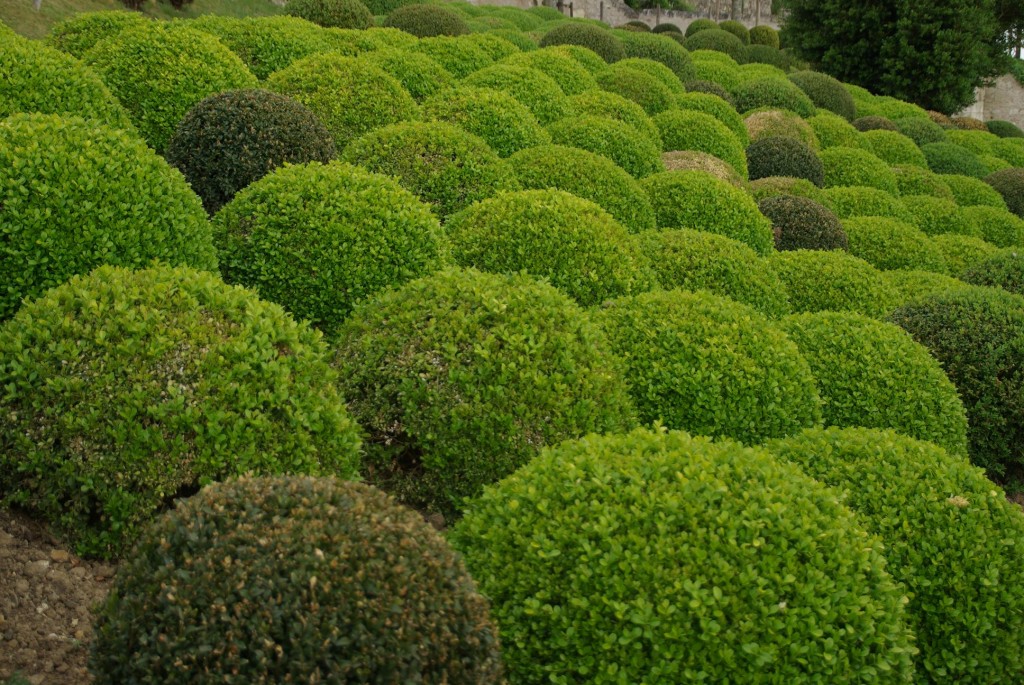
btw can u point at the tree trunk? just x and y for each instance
(37, 4)
(757, 12)
(734, 10)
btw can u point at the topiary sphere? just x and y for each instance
(690, 160)
(420, 75)
(976, 333)
(997, 226)
(767, 123)
(911, 285)
(968, 123)
(948, 158)
(159, 72)
(317, 238)
(712, 88)
(717, 40)
(520, 40)
(585, 57)
(874, 123)
(703, 363)
(424, 21)
(586, 175)
(913, 180)
(954, 533)
(936, 217)
(978, 142)
(725, 72)
(698, 25)
(1010, 184)
(612, 139)
(569, 74)
(963, 251)
(921, 131)
(698, 260)
(1002, 268)
(639, 86)
(773, 186)
(690, 130)
(382, 595)
(763, 56)
(78, 33)
(440, 163)
(824, 91)
(651, 68)
(342, 14)
(1009, 150)
(662, 49)
(666, 27)
(636, 510)
(832, 130)
(891, 244)
(894, 148)
(1004, 129)
(833, 280)
(497, 48)
(462, 377)
(373, 38)
(737, 29)
(772, 92)
(778, 156)
(570, 242)
(532, 87)
(232, 139)
(846, 166)
(970, 192)
(993, 163)
(853, 201)
(457, 55)
(708, 103)
(764, 35)
(496, 117)
(694, 199)
(125, 389)
(589, 36)
(76, 195)
(800, 223)
(604, 104)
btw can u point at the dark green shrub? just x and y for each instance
(690, 130)
(420, 75)
(913, 285)
(698, 260)
(778, 156)
(997, 226)
(703, 363)
(765, 35)
(77, 34)
(1010, 184)
(773, 186)
(948, 158)
(424, 21)
(772, 92)
(935, 216)
(604, 104)
(874, 123)
(894, 148)
(754, 55)
(1004, 129)
(831, 130)
(230, 140)
(569, 74)
(661, 49)
(639, 86)
(970, 192)
(586, 175)
(1003, 269)
(799, 223)
(890, 244)
(607, 521)
(852, 201)
(832, 280)
(589, 36)
(698, 25)
(612, 139)
(922, 131)
(976, 334)
(570, 242)
(694, 199)
(872, 374)
(846, 166)
(351, 97)
(691, 160)
(342, 14)
(947, 510)
(666, 28)
(125, 389)
(963, 251)
(824, 91)
(737, 29)
(159, 73)
(456, 54)
(635, 25)
(717, 107)
(715, 39)
(440, 163)
(496, 117)
(532, 87)
(913, 180)
(462, 377)
(317, 238)
(712, 88)
(381, 596)
(75, 195)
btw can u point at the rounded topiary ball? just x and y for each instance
(460, 55)
(963, 252)
(912, 180)
(874, 123)
(892, 244)
(997, 226)
(612, 139)
(832, 280)
(873, 374)
(949, 158)
(855, 201)
(702, 363)
(715, 39)
(1004, 129)
(698, 25)
(125, 389)
(954, 534)
(661, 49)
(747, 566)
(719, 108)
(232, 139)
(601, 103)
(824, 91)
(419, 74)
(1010, 184)
(766, 123)
(498, 118)
(936, 216)
(852, 167)
(912, 285)
(800, 223)
(831, 130)
(589, 36)
(77, 34)
(777, 93)
(462, 377)
(424, 21)
(292, 579)
(972, 192)
(764, 35)
(689, 130)
(318, 238)
(922, 131)
(342, 14)
(532, 87)
(779, 156)
(691, 160)
(75, 195)
(1003, 269)
(894, 148)
(572, 77)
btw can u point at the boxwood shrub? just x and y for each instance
(247, 544)
(651, 68)
(715, 39)
(737, 29)
(894, 148)
(462, 377)
(832, 130)
(698, 25)
(424, 21)
(605, 522)
(780, 156)
(800, 223)
(997, 226)
(935, 216)
(691, 160)
(708, 103)
(825, 92)
(572, 77)
(639, 86)
(970, 192)
(589, 36)
(78, 33)
(1002, 268)
(874, 123)
(993, 163)
(698, 260)
(77, 194)
(661, 49)
(455, 53)
(420, 75)
(604, 104)
(978, 142)
(689, 130)
(846, 166)
(913, 180)
(949, 158)
(911, 285)
(520, 40)
(955, 532)
(125, 389)
(703, 363)
(710, 87)
(963, 251)
(772, 92)
(763, 55)
(585, 57)
(694, 199)
(850, 201)
(1004, 129)
(726, 74)
(342, 14)
(774, 186)
(612, 139)
(968, 123)
(891, 244)
(496, 117)
(1010, 150)
(832, 280)
(317, 238)
(764, 35)
(920, 130)
(496, 47)
(533, 88)
(767, 123)
(586, 175)
(1010, 184)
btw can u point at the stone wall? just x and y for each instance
(1003, 100)
(616, 12)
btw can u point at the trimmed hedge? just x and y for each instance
(773, 186)
(691, 160)
(799, 223)
(318, 238)
(342, 14)
(604, 104)
(570, 75)
(612, 139)
(913, 285)
(846, 166)
(772, 92)
(639, 86)
(764, 35)
(420, 75)
(832, 130)
(852, 201)
(890, 244)
(997, 226)
(935, 216)
(715, 39)
(703, 363)
(767, 123)
(832, 280)
(874, 123)
(824, 91)
(651, 68)
(498, 118)
(726, 74)
(125, 389)
(756, 55)
(456, 54)
(708, 103)
(894, 148)
(948, 158)
(690, 130)
(588, 36)
(971, 192)
(712, 88)
(533, 88)
(462, 377)
(698, 260)
(694, 199)
(1004, 129)
(978, 142)
(246, 543)
(424, 21)
(1010, 184)
(661, 49)
(1003, 269)
(921, 131)
(993, 164)
(913, 180)
(77, 34)
(963, 252)
(698, 25)
(737, 29)
(778, 156)
(520, 40)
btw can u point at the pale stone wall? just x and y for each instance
(1003, 100)
(616, 12)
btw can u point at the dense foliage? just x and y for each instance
(832, 280)
(799, 223)
(496, 117)
(781, 156)
(342, 14)
(424, 21)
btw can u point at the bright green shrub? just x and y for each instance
(462, 377)
(532, 87)
(1002, 268)
(76, 195)
(874, 123)
(725, 74)
(997, 226)
(342, 14)
(77, 34)
(569, 74)
(585, 57)
(496, 117)
(978, 142)
(318, 238)
(691, 160)
(893, 108)
(358, 41)
(605, 104)
(640, 87)
(913, 285)
(698, 25)
(752, 70)
(764, 35)
(159, 73)
(825, 92)
(832, 280)
(832, 130)
(894, 148)
(976, 334)
(962, 252)
(1004, 129)
(589, 36)
(125, 389)
(520, 40)
(693, 199)
(612, 139)
(773, 186)
(846, 166)
(698, 260)
(457, 55)
(948, 158)
(772, 92)
(710, 87)
(344, 540)
(497, 48)
(921, 130)
(993, 163)
(1010, 150)
(705, 364)
(420, 75)
(523, 20)
(953, 535)
(424, 21)
(546, 13)
(606, 522)
(654, 69)
(714, 105)
(853, 201)
(1009, 183)
(232, 139)
(799, 223)
(570, 242)
(914, 180)
(690, 130)
(717, 40)
(890, 244)
(779, 156)
(350, 96)
(935, 216)
(661, 49)
(971, 192)
(586, 175)
(737, 29)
